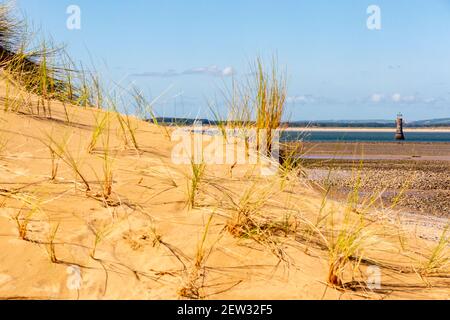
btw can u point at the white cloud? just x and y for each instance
(398, 98)
(209, 71)
(302, 99)
(376, 97)
(395, 98)
(228, 71)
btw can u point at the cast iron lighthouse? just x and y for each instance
(399, 135)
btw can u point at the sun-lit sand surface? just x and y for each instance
(142, 242)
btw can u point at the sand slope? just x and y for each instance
(145, 235)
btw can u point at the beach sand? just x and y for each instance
(144, 242)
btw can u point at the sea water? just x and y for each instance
(363, 136)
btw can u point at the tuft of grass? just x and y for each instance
(45, 83)
(62, 152)
(9, 30)
(108, 176)
(439, 258)
(271, 88)
(54, 161)
(30, 207)
(345, 243)
(157, 237)
(84, 93)
(258, 103)
(37, 66)
(51, 250)
(108, 180)
(97, 91)
(15, 97)
(55, 164)
(22, 222)
(346, 233)
(99, 235)
(101, 123)
(127, 127)
(291, 166)
(194, 181)
(271, 95)
(201, 251)
(245, 210)
(192, 286)
(250, 218)
(145, 109)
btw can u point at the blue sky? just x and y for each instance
(337, 67)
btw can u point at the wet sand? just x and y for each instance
(401, 150)
(415, 174)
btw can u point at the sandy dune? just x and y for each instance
(143, 241)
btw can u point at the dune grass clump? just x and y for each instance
(271, 88)
(61, 150)
(101, 123)
(127, 127)
(35, 72)
(346, 241)
(9, 31)
(30, 208)
(54, 164)
(156, 236)
(108, 181)
(22, 221)
(346, 233)
(439, 258)
(255, 104)
(107, 163)
(128, 130)
(97, 93)
(145, 111)
(191, 288)
(54, 159)
(245, 210)
(39, 67)
(291, 165)
(194, 182)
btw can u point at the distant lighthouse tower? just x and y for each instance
(399, 135)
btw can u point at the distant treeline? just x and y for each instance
(316, 124)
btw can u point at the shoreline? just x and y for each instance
(341, 129)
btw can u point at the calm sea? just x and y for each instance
(352, 136)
